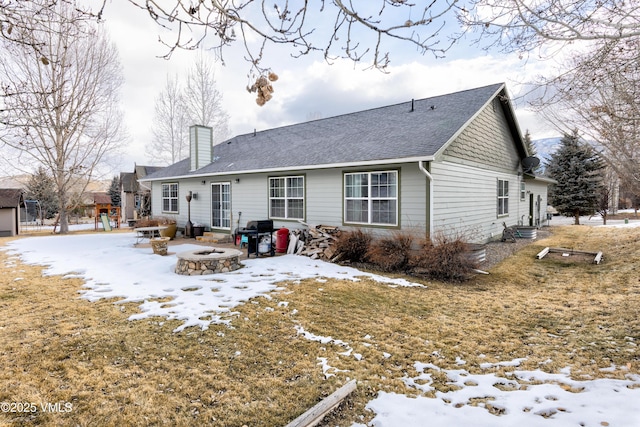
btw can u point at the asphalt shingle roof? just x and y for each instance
(10, 197)
(379, 134)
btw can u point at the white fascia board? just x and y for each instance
(299, 168)
(546, 180)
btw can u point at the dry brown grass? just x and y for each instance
(55, 347)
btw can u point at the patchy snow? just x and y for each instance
(113, 268)
(528, 399)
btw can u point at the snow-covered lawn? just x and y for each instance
(113, 268)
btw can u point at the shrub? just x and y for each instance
(392, 253)
(445, 259)
(353, 245)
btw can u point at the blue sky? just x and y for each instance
(308, 87)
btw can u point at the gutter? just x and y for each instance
(430, 178)
(287, 168)
(532, 177)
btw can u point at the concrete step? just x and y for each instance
(212, 237)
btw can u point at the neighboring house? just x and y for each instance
(450, 163)
(10, 201)
(135, 197)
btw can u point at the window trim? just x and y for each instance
(370, 199)
(287, 197)
(502, 209)
(170, 198)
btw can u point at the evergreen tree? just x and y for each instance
(578, 170)
(42, 187)
(114, 191)
(529, 144)
(531, 149)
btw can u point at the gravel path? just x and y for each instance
(496, 251)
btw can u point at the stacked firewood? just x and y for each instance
(315, 242)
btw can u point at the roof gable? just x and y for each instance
(101, 198)
(10, 197)
(417, 129)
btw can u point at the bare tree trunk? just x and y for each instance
(64, 220)
(61, 103)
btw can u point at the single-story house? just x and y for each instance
(10, 201)
(453, 163)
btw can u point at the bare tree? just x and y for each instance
(527, 26)
(598, 36)
(600, 95)
(20, 17)
(203, 101)
(59, 97)
(177, 107)
(336, 29)
(170, 125)
(364, 31)
(596, 89)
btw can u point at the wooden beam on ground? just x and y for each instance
(542, 253)
(571, 251)
(314, 415)
(598, 258)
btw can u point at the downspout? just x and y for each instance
(430, 178)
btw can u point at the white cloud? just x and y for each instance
(308, 87)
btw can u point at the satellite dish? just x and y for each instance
(529, 163)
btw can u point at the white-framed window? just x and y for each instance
(523, 191)
(286, 197)
(503, 197)
(221, 205)
(170, 197)
(371, 198)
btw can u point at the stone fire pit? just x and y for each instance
(207, 261)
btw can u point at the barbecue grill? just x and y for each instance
(255, 231)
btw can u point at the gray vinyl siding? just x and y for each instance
(323, 198)
(249, 197)
(200, 206)
(414, 187)
(466, 178)
(535, 188)
(412, 197)
(487, 142)
(465, 201)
